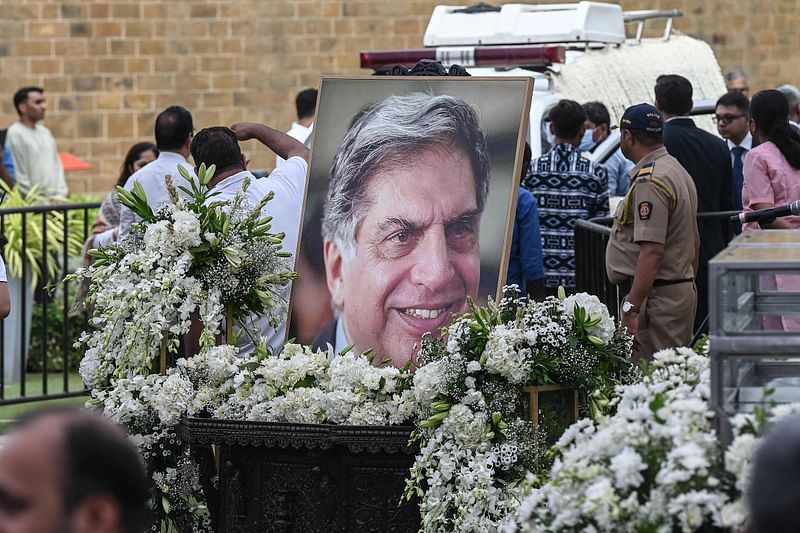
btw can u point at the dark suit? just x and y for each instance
(327, 335)
(706, 158)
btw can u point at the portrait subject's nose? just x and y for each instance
(432, 267)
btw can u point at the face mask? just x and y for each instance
(548, 135)
(586, 142)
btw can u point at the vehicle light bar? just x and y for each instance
(468, 56)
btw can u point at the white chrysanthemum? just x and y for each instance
(627, 467)
(185, 229)
(505, 355)
(595, 309)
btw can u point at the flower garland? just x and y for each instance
(655, 465)
(476, 446)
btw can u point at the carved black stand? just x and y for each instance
(306, 478)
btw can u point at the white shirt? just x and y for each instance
(35, 157)
(3, 275)
(298, 132)
(747, 144)
(341, 338)
(289, 185)
(151, 176)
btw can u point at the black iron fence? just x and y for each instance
(37, 358)
(591, 238)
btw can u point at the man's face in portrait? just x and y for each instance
(417, 255)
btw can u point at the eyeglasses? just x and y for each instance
(726, 119)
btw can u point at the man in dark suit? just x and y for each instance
(706, 158)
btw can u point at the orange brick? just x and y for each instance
(45, 66)
(138, 29)
(152, 47)
(125, 11)
(48, 29)
(79, 65)
(231, 46)
(71, 47)
(156, 82)
(108, 29)
(89, 125)
(115, 65)
(99, 11)
(120, 47)
(121, 124)
(154, 11)
(32, 48)
(203, 11)
(139, 64)
(138, 102)
(108, 102)
(98, 47)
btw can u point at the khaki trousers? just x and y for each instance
(666, 319)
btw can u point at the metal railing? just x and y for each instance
(37, 357)
(591, 238)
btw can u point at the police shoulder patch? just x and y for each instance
(645, 210)
(646, 170)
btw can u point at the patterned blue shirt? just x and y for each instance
(567, 186)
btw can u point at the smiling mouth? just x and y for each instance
(424, 313)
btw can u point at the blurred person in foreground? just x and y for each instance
(598, 127)
(71, 471)
(525, 267)
(774, 488)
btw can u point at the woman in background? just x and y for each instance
(105, 227)
(772, 169)
(772, 178)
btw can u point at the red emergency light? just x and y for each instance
(468, 56)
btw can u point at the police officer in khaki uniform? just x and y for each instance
(653, 250)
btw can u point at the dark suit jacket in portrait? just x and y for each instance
(707, 159)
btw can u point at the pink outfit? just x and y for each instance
(769, 179)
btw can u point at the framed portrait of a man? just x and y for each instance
(409, 208)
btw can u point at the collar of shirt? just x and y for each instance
(233, 181)
(341, 337)
(658, 153)
(172, 157)
(682, 117)
(747, 143)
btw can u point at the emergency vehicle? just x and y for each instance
(580, 51)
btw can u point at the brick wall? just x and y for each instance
(109, 66)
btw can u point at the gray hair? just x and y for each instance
(736, 74)
(392, 131)
(792, 95)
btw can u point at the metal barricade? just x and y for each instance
(37, 357)
(591, 238)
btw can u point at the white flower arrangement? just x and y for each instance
(476, 448)
(655, 465)
(190, 260)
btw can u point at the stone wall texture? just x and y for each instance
(109, 66)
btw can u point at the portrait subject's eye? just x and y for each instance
(462, 235)
(398, 244)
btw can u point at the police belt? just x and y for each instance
(625, 286)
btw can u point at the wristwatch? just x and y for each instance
(628, 307)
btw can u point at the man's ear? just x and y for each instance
(334, 272)
(98, 513)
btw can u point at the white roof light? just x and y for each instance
(526, 24)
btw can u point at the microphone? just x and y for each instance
(768, 214)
